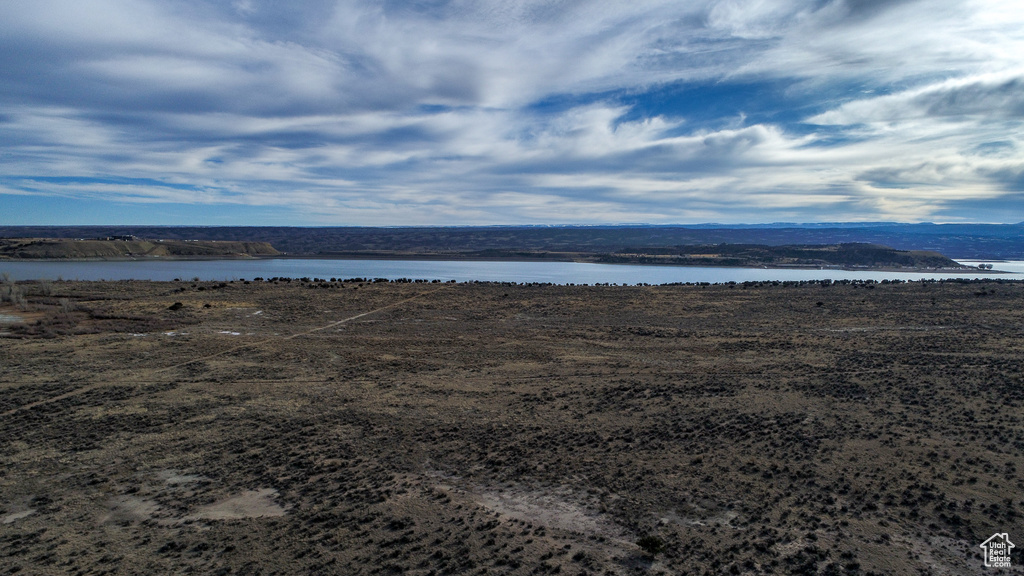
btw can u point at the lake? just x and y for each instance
(462, 271)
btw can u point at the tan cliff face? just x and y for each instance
(42, 248)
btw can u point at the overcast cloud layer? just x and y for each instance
(510, 112)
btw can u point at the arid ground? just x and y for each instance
(417, 428)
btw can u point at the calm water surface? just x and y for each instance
(554, 272)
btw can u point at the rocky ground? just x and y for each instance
(317, 427)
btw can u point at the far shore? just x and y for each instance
(583, 258)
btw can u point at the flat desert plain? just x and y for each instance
(318, 427)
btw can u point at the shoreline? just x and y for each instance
(562, 258)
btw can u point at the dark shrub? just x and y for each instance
(651, 544)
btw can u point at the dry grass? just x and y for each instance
(369, 428)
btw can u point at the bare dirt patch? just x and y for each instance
(12, 517)
(130, 509)
(558, 508)
(249, 504)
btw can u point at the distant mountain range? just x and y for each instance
(962, 241)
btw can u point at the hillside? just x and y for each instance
(853, 255)
(51, 248)
(961, 241)
(848, 255)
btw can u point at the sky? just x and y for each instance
(505, 112)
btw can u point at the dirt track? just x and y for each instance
(427, 429)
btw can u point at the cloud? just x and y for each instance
(949, 142)
(458, 112)
(988, 97)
